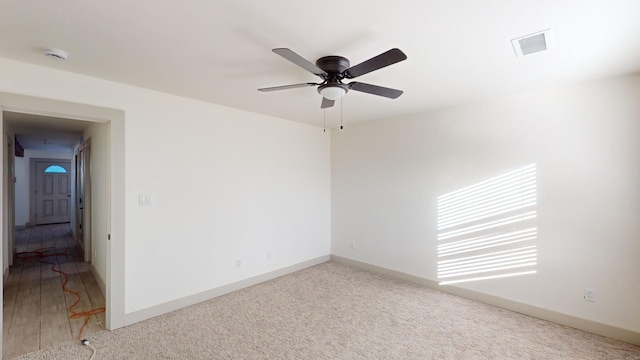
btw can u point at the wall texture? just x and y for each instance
(585, 140)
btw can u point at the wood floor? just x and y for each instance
(35, 306)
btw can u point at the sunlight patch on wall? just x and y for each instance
(488, 230)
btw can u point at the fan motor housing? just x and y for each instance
(333, 64)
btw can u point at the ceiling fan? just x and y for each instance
(333, 69)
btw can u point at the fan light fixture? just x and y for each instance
(332, 92)
(334, 69)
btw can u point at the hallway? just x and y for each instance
(35, 305)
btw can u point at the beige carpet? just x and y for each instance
(332, 311)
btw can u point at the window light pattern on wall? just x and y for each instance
(55, 169)
(488, 230)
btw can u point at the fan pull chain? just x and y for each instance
(341, 127)
(324, 120)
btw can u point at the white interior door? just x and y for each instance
(53, 191)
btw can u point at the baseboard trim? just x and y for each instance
(591, 326)
(5, 277)
(140, 315)
(20, 227)
(101, 283)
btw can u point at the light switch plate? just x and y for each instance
(145, 200)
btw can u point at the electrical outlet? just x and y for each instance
(238, 263)
(352, 244)
(589, 295)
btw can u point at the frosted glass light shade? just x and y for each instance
(332, 92)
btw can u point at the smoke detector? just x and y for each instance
(532, 43)
(56, 54)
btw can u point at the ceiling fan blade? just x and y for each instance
(378, 62)
(300, 61)
(285, 87)
(375, 90)
(326, 103)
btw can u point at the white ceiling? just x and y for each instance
(220, 50)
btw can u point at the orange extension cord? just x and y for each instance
(40, 256)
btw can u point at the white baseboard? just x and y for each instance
(591, 326)
(101, 283)
(167, 307)
(5, 277)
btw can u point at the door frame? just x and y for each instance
(32, 184)
(11, 195)
(115, 166)
(83, 184)
(3, 218)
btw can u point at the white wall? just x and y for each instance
(225, 184)
(23, 195)
(585, 140)
(22, 186)
(98, 135)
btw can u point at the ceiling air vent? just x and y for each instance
(532, 43)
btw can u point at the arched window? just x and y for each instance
(55, 169)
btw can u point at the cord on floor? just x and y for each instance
(85, 342)
(40, 255)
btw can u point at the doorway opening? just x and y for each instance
(51, 242)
